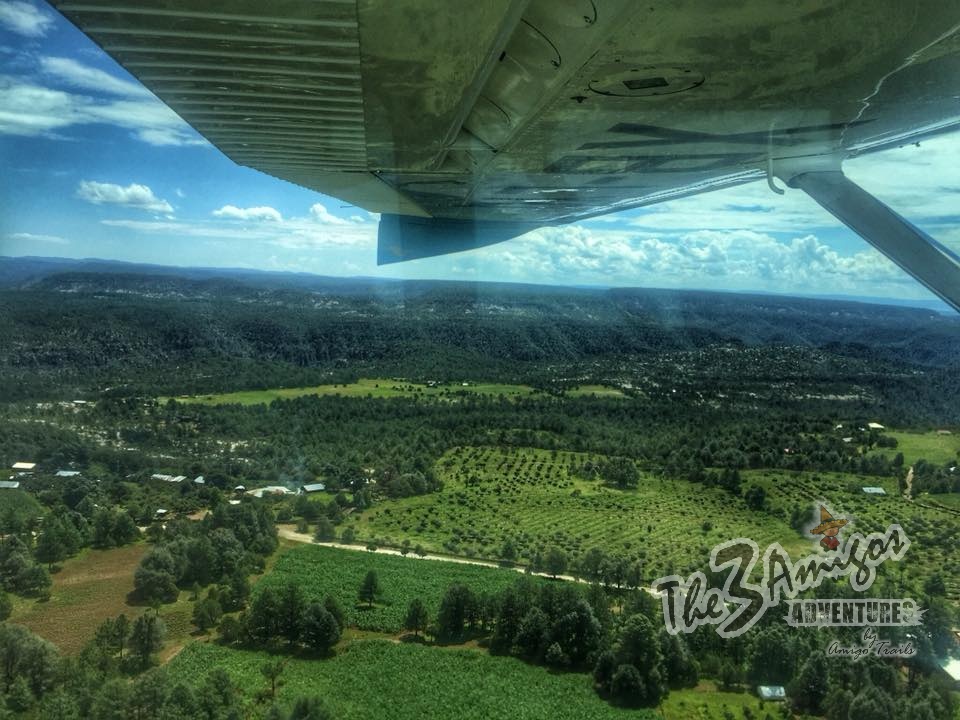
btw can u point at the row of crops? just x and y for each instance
(379, 679)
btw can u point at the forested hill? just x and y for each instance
(79, 322)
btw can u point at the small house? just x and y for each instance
(24, 467)
(951, 668)
(313, 487)
(875, 426)
(66, 473)
(873, 490)
(771, 692)
(9, 484)
(198, 480)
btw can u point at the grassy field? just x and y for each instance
(373, 387)
(378, 679)
(536, 498)
(87, 590)
(705, 702)
(322, 571)
(597, 390)
(931, 446)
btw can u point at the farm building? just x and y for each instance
(9, 484)
(168, 478)
(66, 473)
(198, 480)
(873, 490)
(270, 490)
(771, 692)
(875, 426)
(24, 467)
(313, 487)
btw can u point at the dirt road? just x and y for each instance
(291, 534)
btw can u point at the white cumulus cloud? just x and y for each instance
(320, 213)
(252, 213)
(709, 259)
(134, 195)
(24, 18)
(35, 238)
(83, 76)
(30, 109)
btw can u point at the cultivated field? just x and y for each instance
(322, 571)
(705, 702)
(538, 499)
(87, 590)
(378, 679)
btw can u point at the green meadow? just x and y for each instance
(368, 387)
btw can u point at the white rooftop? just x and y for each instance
(873, 490)
(951, 666)
(24, 466)
(771, 692)
(270, 490)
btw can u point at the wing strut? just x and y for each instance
(932, 264)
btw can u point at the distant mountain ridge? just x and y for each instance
(31, 271)
(69, 327)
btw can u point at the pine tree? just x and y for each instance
(417, 617)
(370, 588)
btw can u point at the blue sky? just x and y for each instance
(95, 166)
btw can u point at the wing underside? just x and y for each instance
(535, 112)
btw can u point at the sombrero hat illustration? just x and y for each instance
(827, 521)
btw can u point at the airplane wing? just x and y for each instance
(471, 122)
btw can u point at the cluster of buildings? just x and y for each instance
(26, 470)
